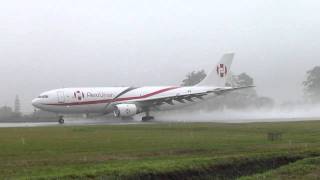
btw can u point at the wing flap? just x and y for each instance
(158, 101)
(221, 91)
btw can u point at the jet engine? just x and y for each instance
(125, 110)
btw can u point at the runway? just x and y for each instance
(92, 122)
(179, 116)
(70, 122)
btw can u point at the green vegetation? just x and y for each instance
(308, 168)
(156, 151)
(312, 85)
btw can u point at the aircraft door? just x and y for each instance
(61, 98)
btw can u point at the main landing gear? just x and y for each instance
(147, 117)
(61, 120)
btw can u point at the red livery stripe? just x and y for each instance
(114, 100)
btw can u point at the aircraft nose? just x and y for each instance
(36, 103)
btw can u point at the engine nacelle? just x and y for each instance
(125, 110)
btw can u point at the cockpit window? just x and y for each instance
(43, 97)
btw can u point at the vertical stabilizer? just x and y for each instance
(220, 73)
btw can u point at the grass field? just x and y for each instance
(308, 168)
(162, 151)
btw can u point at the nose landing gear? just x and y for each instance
(61, 120)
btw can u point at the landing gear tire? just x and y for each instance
(61, 120)
(147, 118)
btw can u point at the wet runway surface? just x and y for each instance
(89, 122)
(73, 122)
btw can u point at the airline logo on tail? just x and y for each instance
(222, 70)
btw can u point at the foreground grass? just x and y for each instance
(130, 151)
(308, 169)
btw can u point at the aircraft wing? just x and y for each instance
(226, 90)
(158, 101)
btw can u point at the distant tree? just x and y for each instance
(6, 113)
(312, 85)
(242, 98)
(240, 80)
(17, 108)
(194, 78)
(245, 80)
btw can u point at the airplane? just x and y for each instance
(126, 102)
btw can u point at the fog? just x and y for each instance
(52, 44)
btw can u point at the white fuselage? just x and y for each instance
(103, 99)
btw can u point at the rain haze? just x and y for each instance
(52, 44)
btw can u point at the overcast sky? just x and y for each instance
(48, 44)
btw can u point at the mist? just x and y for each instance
(277, 114)
(53, 44)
